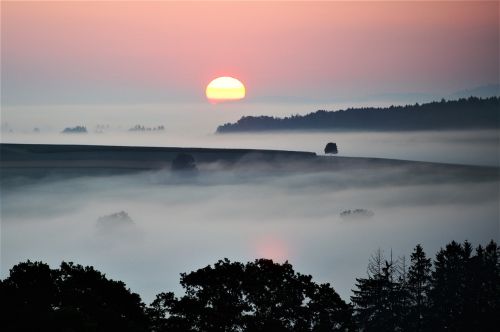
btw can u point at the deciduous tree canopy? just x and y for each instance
(459, 291)
(257, 296)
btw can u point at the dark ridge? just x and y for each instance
(10, 152)
(470, 113)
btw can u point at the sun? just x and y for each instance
(225, 88)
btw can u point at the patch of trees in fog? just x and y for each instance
(75, 130)
(356, 214)
(144, 128)
(114, 220)
(470, 113)
(99, 129)
(458, 291)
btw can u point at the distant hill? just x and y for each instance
(470, 113)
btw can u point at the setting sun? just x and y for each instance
(225, 88)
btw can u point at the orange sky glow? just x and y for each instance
(313, 49)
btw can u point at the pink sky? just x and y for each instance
(89, 51)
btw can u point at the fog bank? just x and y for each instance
(180, 224)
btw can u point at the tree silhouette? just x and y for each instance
(258, 296)
(480, 288)
(401, 295)
(487, 287)
(374, 300)
(87, 293)
(448, 289)
(419, 285)
(463, 113)
(73, 298)
(75, 130)
(331, 148)
(29, 297)
(460, 293)
(183, 162)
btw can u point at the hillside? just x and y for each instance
(470, 113)
(30, 161)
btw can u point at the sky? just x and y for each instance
(139, 52)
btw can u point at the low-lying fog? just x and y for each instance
(171, 225)
(193, 125)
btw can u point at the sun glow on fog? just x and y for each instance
(225, 88)
(271, 247)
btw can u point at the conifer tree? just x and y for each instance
(419, 285)
(483, 302)
(374, 298)
(402, 300)
(448, 287)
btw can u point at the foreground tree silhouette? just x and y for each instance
(106, 304)
(465, 294)
(419, 285)
(449, 286)
(461, 292)
(73, 298)
(257, 296)
(486, 286)
(376, 299)
(28, 297)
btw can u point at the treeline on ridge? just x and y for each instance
(458, 291)
(470, 113)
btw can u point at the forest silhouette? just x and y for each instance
(470, 113)
(457, 291)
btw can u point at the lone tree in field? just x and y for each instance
(331, 148)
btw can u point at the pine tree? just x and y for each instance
(419, 284)
(448, 288)
(374, 298)
(402, 299)
(483, 302)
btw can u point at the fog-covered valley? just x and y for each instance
(145, 228)
(285, 211)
